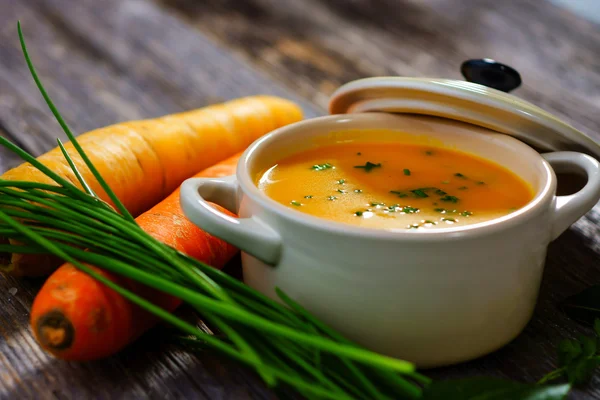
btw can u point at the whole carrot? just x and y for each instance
(75, 317)
(143, 161)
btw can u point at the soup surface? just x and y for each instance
(394, 186)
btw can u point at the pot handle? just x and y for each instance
(248, 234)
(568, 209)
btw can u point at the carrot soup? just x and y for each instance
(394, 185)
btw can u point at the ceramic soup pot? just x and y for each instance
(432, 297)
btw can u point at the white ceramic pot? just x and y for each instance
(433, 297)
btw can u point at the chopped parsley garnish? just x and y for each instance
(321, 167)
(445, 182)
(406, 171)
(308, 197)
(357, 190)
(331, 198)
(368, 166)
(341, 191)
(398, 193)
(458, 174)
(444, 211)
(358, 213)
(450, 199)
(375, 204)
(449, 219)
(428, 221)
(420, 193)
(481, 183)
(466, 213)
(409, 210)
(429, 153)
(463, 188)
(295, 203)
(341, 181)
(359, 153)
(413, 226)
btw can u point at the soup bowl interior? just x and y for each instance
(501, 149)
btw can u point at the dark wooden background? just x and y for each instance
(113, 60)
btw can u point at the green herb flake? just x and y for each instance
(481, 183)
(308, 196)
(428, 153)
(406, 171)
(445, 182)
(440, 210)
(466, 213)
(359, 154)
(413, 226)
(295, 203)
(399, 193)
(448, 220)
(368, 166)
(321, 167)
(341, 181)
(420, 193)
(450, 199)
(410, 210)
(357, 190)
(376, 204)
(331, 198)
(341, 191)
(440, 192)
(358, 213)
(428, 221)
(459, 175)
(463, 188)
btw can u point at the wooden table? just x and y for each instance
(114, 60)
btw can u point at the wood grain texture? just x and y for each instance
(315, 45)
(109, 61)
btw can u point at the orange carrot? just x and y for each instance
(75, 317)
(144, 161)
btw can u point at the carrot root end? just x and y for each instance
(55, 331)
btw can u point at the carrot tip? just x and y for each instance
(55, 331)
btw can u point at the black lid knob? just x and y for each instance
(492, 74)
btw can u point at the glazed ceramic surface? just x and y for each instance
(431, 297)
(462, 101)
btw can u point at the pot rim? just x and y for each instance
(520, 216)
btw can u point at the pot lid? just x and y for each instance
(482, 101)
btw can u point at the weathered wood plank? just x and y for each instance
(314, 46)
(132, 62)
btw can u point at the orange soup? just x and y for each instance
(392, 186)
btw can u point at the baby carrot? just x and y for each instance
(144, 161)
(75, 317)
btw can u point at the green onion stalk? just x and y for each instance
(281, 341)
